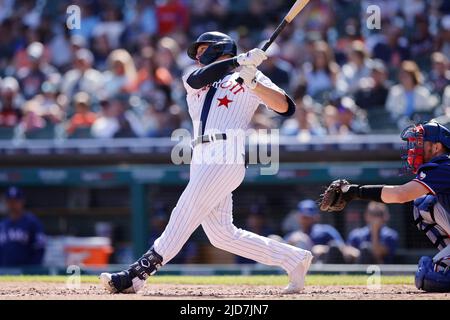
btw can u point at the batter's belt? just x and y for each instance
(208, 138)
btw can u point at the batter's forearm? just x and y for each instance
(211, 73)
(275, 100)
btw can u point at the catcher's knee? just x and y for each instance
(423, 211)
(430, 280)
(425, 221)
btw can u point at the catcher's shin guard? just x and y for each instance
(424, 219)
(429, 280)
(147, 265)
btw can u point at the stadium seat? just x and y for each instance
(48, 132)
(81, 133)
(7, 133)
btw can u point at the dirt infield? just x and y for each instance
(92, 291)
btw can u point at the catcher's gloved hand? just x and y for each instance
(253, 57)
(248, 74)
(337, 195)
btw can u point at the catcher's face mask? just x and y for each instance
(413, 135)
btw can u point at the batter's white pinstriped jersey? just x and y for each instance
(224, 105)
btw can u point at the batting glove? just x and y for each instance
(248, 74)
(253, 57)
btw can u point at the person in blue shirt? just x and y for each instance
(428, 157)
(22, 239)
(324, 240)
(376, 242)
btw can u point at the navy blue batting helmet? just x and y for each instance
(219, 45)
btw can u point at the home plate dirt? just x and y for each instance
(92, 291)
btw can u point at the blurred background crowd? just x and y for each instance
(118, 75)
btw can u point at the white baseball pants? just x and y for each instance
(207, 200)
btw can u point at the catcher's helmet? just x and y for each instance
(219, 44)
(416, 135)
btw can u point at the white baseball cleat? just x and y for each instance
(297, 276)
(111, 286)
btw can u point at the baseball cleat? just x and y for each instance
(297, 276)
(121, 282)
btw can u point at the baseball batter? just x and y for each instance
(218, 105)
(429, 158)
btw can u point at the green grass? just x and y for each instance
(320, 280)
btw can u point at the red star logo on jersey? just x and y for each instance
(224, 101)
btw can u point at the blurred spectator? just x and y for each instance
(357, 67)
(409, 96)
(115, 121)
(31, 78)
(89, 21)
(121, 73)
(326, 241)
(47, 104)
(373, 90)
(351, 118)
(376, 242)
(61, 49)
(444, 119)
(439, 76)
(10, 100)
(275, 68)
(172, 15)
(142, 17)
(256, 222)
(421, 41)
(83, 118)
(101, 50)
(110, 26)
(305, 123)
(150, 75)
(22, 238)
(321, 75)
(392, 47)
(82, 77)
(331, 120)
(443, 37)
(32, 119)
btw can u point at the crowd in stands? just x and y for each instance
(119, 74)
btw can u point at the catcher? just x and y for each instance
(428, 156)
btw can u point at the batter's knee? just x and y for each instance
(219, 236)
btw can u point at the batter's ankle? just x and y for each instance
(146, 266)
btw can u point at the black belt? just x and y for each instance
(208, 138)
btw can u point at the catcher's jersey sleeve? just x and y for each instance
(436, 178)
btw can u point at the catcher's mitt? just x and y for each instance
(337, 195)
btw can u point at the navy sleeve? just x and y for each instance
(211, 73)
(291, 107)
(390, 241)
(336, 235)
(434, 179)
(37, 244)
